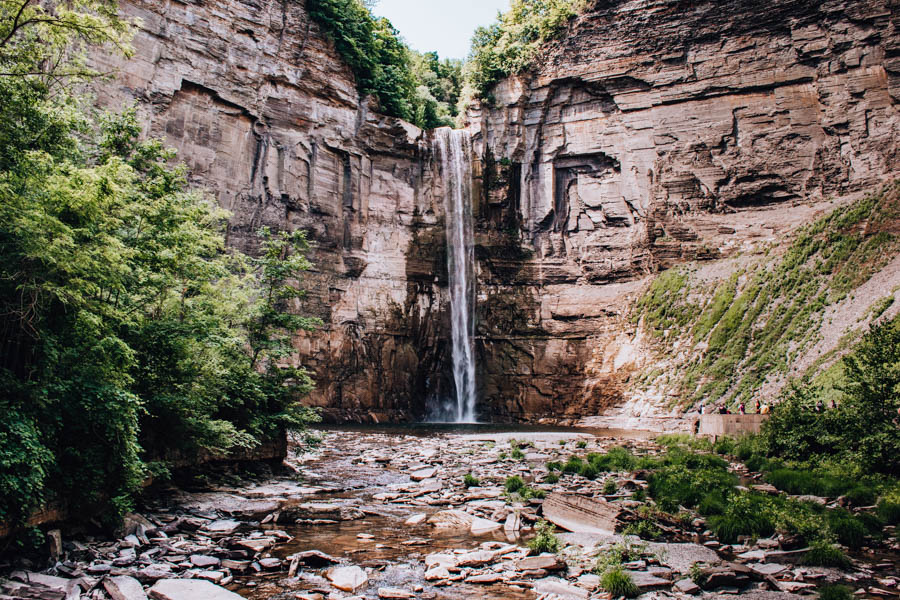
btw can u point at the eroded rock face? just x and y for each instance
(267, 118)
(656, 132)
(653, 133)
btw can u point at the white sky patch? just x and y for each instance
(443, 26)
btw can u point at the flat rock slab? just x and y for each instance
(549, 562)
(581, 514)
(124, 588)
(190, 589)
(680, 557)
(558, 588)
(766, 569)
(347, 579)
(648, 581)
(422, 474)
(315, 558)
(222, 526)
(394, 593)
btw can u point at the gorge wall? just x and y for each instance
(653, 133)
(268, 119)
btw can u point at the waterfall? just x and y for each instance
(454, 148)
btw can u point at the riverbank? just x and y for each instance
(439, 514)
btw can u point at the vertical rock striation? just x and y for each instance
(267, 117)
(656, 132)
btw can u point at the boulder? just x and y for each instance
(581, 514)
(394, 593)
(124, 588)
(347, 579)
(547, 562)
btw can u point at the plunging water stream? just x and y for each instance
(454, 148)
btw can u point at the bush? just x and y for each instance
(744, 514)
(581, 444)
(680, 485)
(527, 493)
(417, 87)
(619, 583)
(848, 530)
(825, 554)
(888, 507)
(514, 484)
(639, 494)
(861, 495)
(712, 504)
(551, 478)
(545, 540)
(724, 445)
(798, 482)
(470, 481)
(644, 529)
(835, 592)
(573, 465)
(554, 466)
(609, 486)
(588, 470)
(509, 46)
(517, 454)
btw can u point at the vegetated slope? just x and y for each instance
(745, 332)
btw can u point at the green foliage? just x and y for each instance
(847, 529)
(888, 507)
(581, 444)
(618, 582)
(554, 466)
(419, 88)
(686, 483)
(514, 484)
(517, 454)
(609, 486)
(825, 554)
(470, 481)
(861, 430)
(545, 539)
(551, 478)
(588, 471)
(573, 465)
(744, 514)
(625, 551)
(644, 529)
(126, 322)
(510, 45)
(758, 322)
(835, 592)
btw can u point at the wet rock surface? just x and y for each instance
(183, 548)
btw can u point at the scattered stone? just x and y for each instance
(547, 562)
(686, 586)
(190, 589)
(315, 559)
(422, 474)
(203, 561)
(485, 578)
(270, 564)
(581, 514)
(222, 527)
(124, 588)
(392, 593)
(347, 579)
(416, 519)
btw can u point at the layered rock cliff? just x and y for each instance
(654, 132)
(260, 107)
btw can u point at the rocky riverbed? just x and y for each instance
(386, 514)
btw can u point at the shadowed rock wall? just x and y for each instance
(267, 117)
(653, 133)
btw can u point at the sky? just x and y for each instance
(444, 26)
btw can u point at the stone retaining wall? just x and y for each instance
(716, 425)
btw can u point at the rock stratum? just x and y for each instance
(653, 133)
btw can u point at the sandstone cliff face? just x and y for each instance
(260, 107)
(657, 132)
